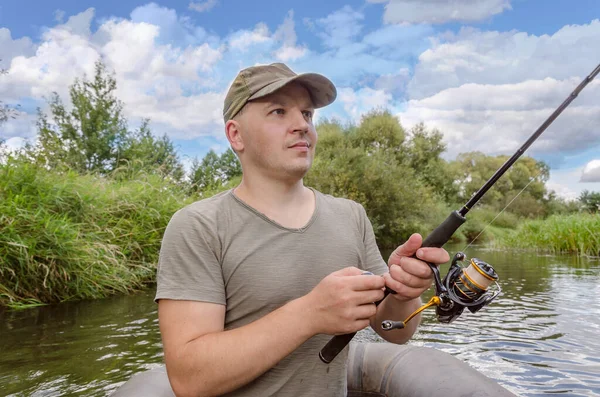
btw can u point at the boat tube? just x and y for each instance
(374, 370)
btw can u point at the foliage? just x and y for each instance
(475, 168)
(590, 201)
(214, 172)
(93, 137)
(7, 112)
(576, 233)
(70, 236)
(357, 163)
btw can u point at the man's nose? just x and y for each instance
(300, 124)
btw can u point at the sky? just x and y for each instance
(486, 73)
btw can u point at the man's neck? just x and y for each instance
(288, 203)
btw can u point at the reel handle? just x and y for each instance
(437, 238)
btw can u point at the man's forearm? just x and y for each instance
(223, 361)
(392, 309)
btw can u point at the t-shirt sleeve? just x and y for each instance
(373, 259)
(188, 264)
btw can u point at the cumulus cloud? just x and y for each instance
(286, 33)
(339, 28)
(441, 11)
(13, 48)
(358, 102)
(489, 57)
(243, 40)
(202, 6)
(489, 91)
(591, 172)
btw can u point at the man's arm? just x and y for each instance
(203, 359)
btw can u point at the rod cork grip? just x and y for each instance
(444, 231)
(334, 347)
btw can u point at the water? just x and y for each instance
(539, 337)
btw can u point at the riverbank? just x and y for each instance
(69, 237)
(577, 234)
(65, 236)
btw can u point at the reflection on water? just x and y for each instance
(539, 337)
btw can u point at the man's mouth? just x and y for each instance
(301, 144)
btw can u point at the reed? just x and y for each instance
(65, 237)
(575, 234)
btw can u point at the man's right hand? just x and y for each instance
(343, 302)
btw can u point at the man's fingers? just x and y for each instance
(415, 267)
(407, 249)
(409, 279)
(433, 255)
(403, 290)
(365, 283)
(348, 271)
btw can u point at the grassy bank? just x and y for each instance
(575, 234)
(65, 236)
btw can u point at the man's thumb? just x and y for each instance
(409, 248)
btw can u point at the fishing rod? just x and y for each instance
(462, 287)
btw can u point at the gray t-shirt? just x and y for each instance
(223, 251)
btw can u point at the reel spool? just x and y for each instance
(462, 287)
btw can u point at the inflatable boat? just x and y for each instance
(374, 370)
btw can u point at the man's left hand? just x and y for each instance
(409, 276)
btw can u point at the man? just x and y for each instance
(252, 282)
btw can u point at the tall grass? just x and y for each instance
(65, 236)
(577, 234)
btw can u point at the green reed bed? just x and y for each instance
(64, 236)
(577, 234)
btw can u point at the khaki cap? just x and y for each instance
(259, 81)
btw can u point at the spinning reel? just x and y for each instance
(462, 287)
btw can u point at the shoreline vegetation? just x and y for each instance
(84, 207)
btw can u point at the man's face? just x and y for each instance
(278, 134)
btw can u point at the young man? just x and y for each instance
(252, 282)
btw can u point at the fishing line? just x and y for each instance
(500, 213)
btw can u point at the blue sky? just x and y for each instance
(484, 72)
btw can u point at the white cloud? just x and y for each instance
(59, 16)
(356, 103)
(339, 28)
(244, 39)
(490, 91)
(566, 184)
(202, 6)
(591, 172)
(286, 33)
(441, 11)
(489, 57)
(12, 48)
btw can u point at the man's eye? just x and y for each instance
(308, 114)
(278, 111)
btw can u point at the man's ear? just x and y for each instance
(234, 136)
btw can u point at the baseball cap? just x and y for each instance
(259, 81)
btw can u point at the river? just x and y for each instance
(541, 336)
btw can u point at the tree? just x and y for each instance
(590, 201)
(93, 136)
(143, 152)
(6, 112)
(424, 150)
(475, 168)
(214, 172)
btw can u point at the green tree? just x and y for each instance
(7, 112)
(214, 172)
(424, 150)
(93, 136)
(475, 168)
(142, 152)
(378, 130)
(590, 201)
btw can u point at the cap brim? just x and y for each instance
(321, 89)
